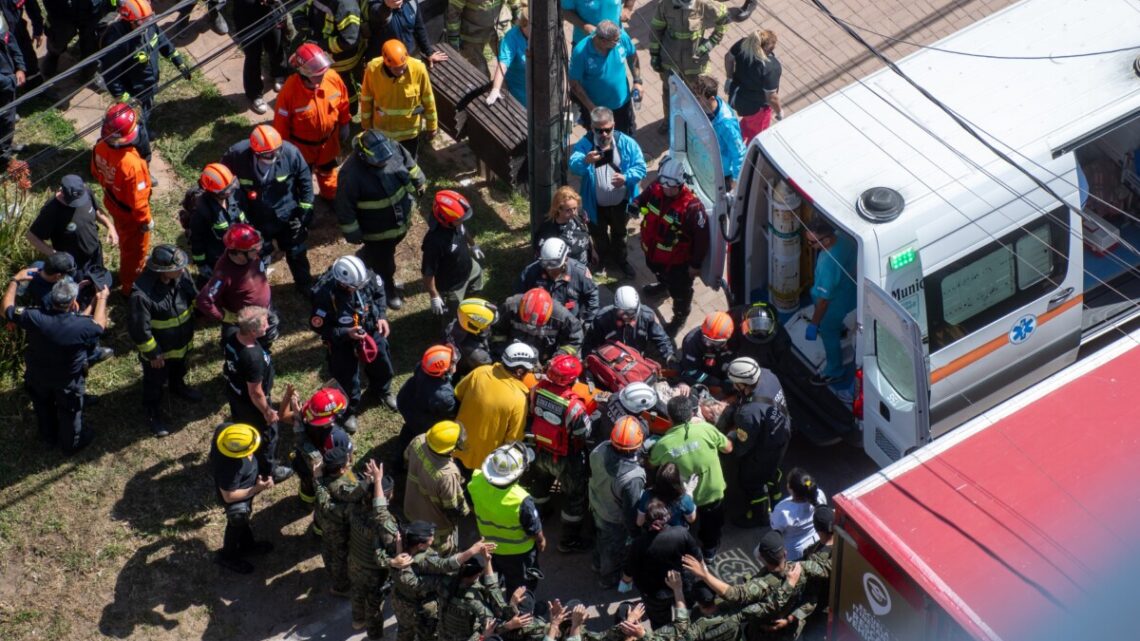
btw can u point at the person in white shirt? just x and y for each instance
(792, 517)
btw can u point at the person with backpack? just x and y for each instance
(629, 322)
(276, 190)
(568, 281)
(216, 209)
(759, 430)
(560, 424)
(616, 481)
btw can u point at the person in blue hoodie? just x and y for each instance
(725, 124)
(611, 166)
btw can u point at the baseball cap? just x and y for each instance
(59, 263)
(74, 191)
(771, 547)
(337, 457)
(419, 532)
(824, 518)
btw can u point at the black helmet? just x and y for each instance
(759, 323)
(167, 258)
(373, 147)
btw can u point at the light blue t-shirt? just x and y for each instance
(592, 12)
(834, 270)
(603, 77)
(512, 53)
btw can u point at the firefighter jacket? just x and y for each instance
(125, 178)
(338, 311)
(474, 349)
(131, 67)
(674, 231)
(563, 330)
(375, 203)
(679, 42)
(281, 194)
(574, 287)
(208, 225)
(475, 20)
(493, 410)
(399, 106)
(645, 330)
(425, 400)
(335, 26)
(435, 486)
(232, 287)
(311, 118)
(702, 364)
(160, 320)
(559, 420)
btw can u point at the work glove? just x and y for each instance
(624, 588)
(477, 253)
(125, 97)
(437, 307)
(181, 65)
(704, 48)
(811, 332)
(494, 96)
(296, 224)
(691, 485)
(354, 237)
(345, 135)
(655, 62)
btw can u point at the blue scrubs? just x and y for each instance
(834, 274)
(512, 53)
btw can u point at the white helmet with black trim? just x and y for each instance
(627, 301)
(520, 355)
(350, 271)
(638, 397)
(744, 371)
(553, 253)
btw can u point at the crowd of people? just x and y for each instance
(545, 399)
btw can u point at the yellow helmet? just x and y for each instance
(238, 440)
(446, 436)
(477, 315)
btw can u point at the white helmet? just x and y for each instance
(637, 397)
(350, 271)
(626, 300)
(553, 253)
(671, 173)
(520, 355)
(744, 371)
(506, 464)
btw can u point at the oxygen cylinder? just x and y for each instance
(784, 262)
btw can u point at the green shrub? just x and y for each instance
(15, 217)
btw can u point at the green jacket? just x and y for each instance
(466, 611)
(372, 534)
(424, 579)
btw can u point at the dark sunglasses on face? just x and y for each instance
(603, 130)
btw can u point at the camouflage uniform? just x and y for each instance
(466, 611)
(678, 42)
(719, 627)
(472, 24)
(768, 597)
(335, 500)
(416, 590)
(372, 537)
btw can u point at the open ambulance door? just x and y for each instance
(896, 380)
(693, 142)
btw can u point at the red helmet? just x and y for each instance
(717, 328)
(135, 10)
(310, 60)
(563, 370)
(216, 178)
(242, 237)
(450, 208)
(264, 139)
(323, 407)
(437, 360)
(120, 125)
(536, 307)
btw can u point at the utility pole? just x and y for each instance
(546, 87)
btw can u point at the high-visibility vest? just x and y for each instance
(497, 514)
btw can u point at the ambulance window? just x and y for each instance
(895, 362)
(701, 159)
(997, 279)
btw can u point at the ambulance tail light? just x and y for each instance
(857, 394)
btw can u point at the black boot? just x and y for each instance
(158, 427)
(743, 12)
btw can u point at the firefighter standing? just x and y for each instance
(435, 485)
(628, 321)
(238, 482)
(371, 542)
(374, 201)
(396, 98)
(617, 479)
(238, 281)
(276, 190)
(683, 34)
(125, 177)
(313, 113)
(760, 430)
(507, 516)
(568, 281)
(543, 323)
(472, 24)
(13, 75)
(560, 424)
(674, 237)
(450, 257)
(350, 314)
(427, 397)
(335, 26)
(216, 210)
(470, 333)
(493, 404)
(161, 324)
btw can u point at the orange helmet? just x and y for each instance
(395, 53)
(120, 125)
(450, 208)
(536, 307)
(323, 407)
(717, 328)
(264, 139)
(437, 360)
(242, 237)
(216, 178)
(135, 10)
(628, 434)
(563, 370)
(310, 60)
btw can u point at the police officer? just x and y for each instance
(684, 32)
(435, 485)
(628, 321)
(161, 324)
(428, 396)
(55, 374)
(375, 194)
(416, 588)
(350, 314)
(238, 482)
(69, 222)
(674, 236)
(337, 494)
(371, 542)
(216, 210)
(568, 281)
(705, 355)
(543, 323)
(316, 432)
(507, 516)
(276, 191)
(760, 430)
(470, 333)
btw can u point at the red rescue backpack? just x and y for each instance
(615, 365)
(553, 413)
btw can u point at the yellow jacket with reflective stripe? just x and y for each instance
(161, 316)
(497, 514)
(400, 107)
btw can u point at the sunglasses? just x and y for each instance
(603, 130)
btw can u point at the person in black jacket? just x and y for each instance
(428, 396)
(629, 322)
(652, 555)
(402, 20)
(12, 77)
(14, 15)
(161, 324)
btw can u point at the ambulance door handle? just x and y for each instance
(1059, 298)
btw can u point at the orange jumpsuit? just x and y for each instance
(125, 178)
(311, 119)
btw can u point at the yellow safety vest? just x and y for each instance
(497, 514)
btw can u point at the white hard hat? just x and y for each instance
(744, 370)
(350, 271)
(506, 464)
(671, 172)
(553, 253)
(637, 397)
(520, 355)
(626, 300)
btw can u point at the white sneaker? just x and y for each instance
(278, 83)
(259, 106)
